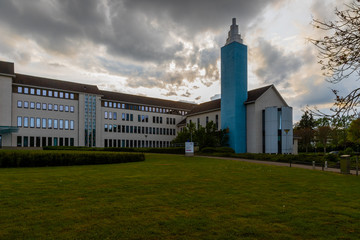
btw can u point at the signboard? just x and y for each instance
(189, 149)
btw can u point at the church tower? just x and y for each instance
(234, 88)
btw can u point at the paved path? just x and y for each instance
(336, 170)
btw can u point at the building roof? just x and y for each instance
(215, 105)
(123, 97)
(55, 84)
(6, 68)
(93, 89)
(254, 94)
(206, 107)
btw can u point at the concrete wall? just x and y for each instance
(5, 107)
(254, 118)
(202, 118)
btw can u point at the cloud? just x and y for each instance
(274, 65)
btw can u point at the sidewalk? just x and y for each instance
(336, 170)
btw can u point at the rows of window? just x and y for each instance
(124, 116)
(31, 141)
(45, 106)
(135, 143)
(45, 92)
(139, 130)
(45, 123)
(142, 108)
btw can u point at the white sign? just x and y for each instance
(189, 148)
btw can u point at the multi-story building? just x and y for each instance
(37, 112)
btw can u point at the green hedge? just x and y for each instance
(28, 158)
(170, 150)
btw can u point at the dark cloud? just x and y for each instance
(275, 66)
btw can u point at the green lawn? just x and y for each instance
(174, 197)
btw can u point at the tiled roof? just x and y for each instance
(253, 95)
(123, 97)
(206, 106)
(55, 84)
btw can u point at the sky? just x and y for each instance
(170, 49)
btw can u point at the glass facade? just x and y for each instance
(90, 120)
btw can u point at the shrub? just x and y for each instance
(64, 158)
(331, 158)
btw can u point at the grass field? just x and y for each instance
(173, 197)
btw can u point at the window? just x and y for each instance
(50, 107)
(123, 116)
(115, 116)
(50, 93)
(38, 122)
(18, 141)
(61, 94)
(26, 90)
(207, 120)
(19, 89)
(127, 117)
(26, 104)
(19, 121)
(56, 107)
(72, 124)
(32, 122)
(66, 108)
(110, 104)
(44, 120)
(72, 96)
(119, 105)
(61, 124)
(32, 105)
(105, 127)
(160, 119)
(55, 124)
(38, 92)
(56, 94)
(49, 123)
(131, 117)
(110, 128)
(106, 115)
(67, 95)
(61, 108)
(26, 122)
(19, 104)
(110, 115)
(44, 92)
(123, 105)
(105, 104)
(139, 118)
(44, 106)
(72, 109)
(67, 124)
(38, 106)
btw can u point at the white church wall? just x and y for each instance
(202, 118)
(254, 118)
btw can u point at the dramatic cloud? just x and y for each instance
(275, 66)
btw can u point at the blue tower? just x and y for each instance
(234, 88)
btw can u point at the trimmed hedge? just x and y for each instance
(33, 158)
(170, 150)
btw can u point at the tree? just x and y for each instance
(354, 131)
(207, 136)
(305, 130)
(339, 54)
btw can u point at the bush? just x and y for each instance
(331, 158)
(170, 150)
(217, 150)
(64, 158)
